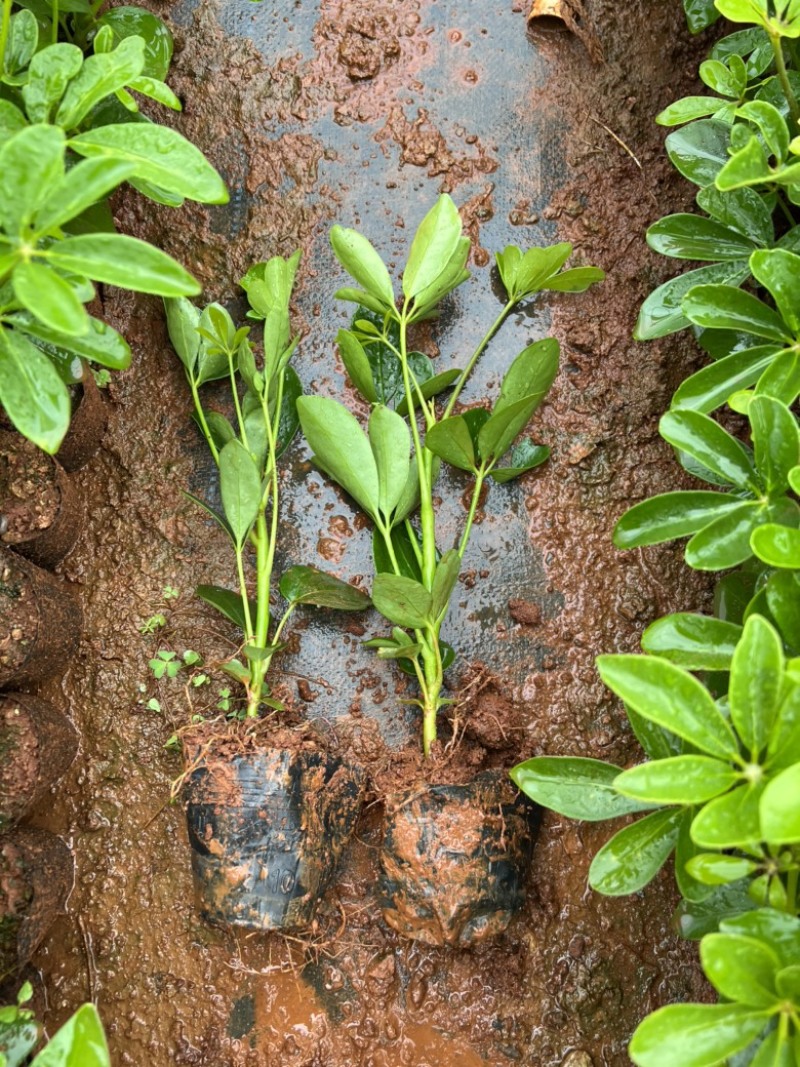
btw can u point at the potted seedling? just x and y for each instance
(437, 887)
(269, 809)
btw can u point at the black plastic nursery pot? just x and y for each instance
(37, 745)
(40, 623)
(41, 511)
(87, 425)
(455, 859)
(36, 876)
(267, 829)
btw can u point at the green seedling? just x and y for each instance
(247, 451)
(155, 622)
(391, 472)
(170, 592)
(80, 1040)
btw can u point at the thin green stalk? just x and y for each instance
(480, 478)
(780, 63)
(54, 27)
(236, 402)
(427, 409)
(427, 518)
(791, 891)
(476, 355)
(4, 31)
(201, 418)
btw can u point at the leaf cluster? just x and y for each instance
(80, 1040)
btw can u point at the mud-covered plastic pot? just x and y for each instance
(455, 858)
(267, 829)
(37, 745)
(40, 623)
(40, 510)
(36, 876)
(87, 425)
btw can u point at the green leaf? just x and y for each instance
(79, 1043)
(435, 242)
(695, 642)
(576, 280)
(448, 279)
(776, 441)
(695, 237)
(784, 742)
(390, 440)
(775, 1051)
(742, 210)
(700, 14)
(32, 393)
(503, 426)
(781, 932)
(101, 344)
(670, 515)
(31, 163)
(780, 810)
(771, 125)
(741, 968)
(100, 76)
(137, 22)
(685, 850)
(721, 78)
(226, 602)
(526, 456)
(307, 585)
(679, 780)
(776, 545)
(573, 786)
(716, 868)
(755, 683)
(401, 600)
(432, 387)
(710, 445)
(83, 186)
(657, 742)
(779, 272)
(787, 982)
(689, 108)
(50, 298)
(49, 73)
(725, 542)
(156, 90)
(695, 919)
(635, 854)
(356, 364)
(451, 440)
(161, 156)
(672, 698)
(711, 386)
(781, 379)
(783, 598)
(724, 307)
(341, 448)
(694, 1035)
(730, 821)
(661, 313)
(444, 581)
(183, 318)
(362, 262)
(748, 166)
(23, 37)
(699, 150)
(11, 120)
(530, 375)
(124, 261)
(240, 486)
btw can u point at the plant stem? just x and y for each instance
(423, 459)
(201, 418)
(54, 27)
(780, 63)
(434, 679)
(4, 32)
(237, 404)
(473, 507)
(791, 891)
(476, 355)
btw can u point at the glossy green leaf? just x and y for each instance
(776, 441)
(11, 120)
(100, 344)
(240, 486)
(694, 1035)
(161, 156)
(787, 982)
(573, 786)
(358, 257)
(722, 78)
(780, 808)
(680, 780)
(699, 150)
(451, 440)
(356, 364)
(31, 163)
(775, 1051)
(575, 280)
(341, 448)
(32, 393)
(435, 242)
(124, 261)
(670, 515)
(781, 379)
(711, 386)
(695, 237)
(730, 821)
(741, 968)
(718, 868)
(227, 603)
(390, 441)
(183, 319)
(695, 919)
(657, 742)
(451, 276)
(444, 581)
(776, 545)
(778, 930)
(794, 479)
(307, 585)
(711, 445)
(525, 456)
(23, 37)
(79, 1043)
(685, 850)
(156, 90)
(504, 425)
(779, 272)
(724, 307)
(408, 555)
(661, 313)
(700, 14)
(771, 125)
(50, 298)
(432, 387)
(672, 698)
(127, 21)
(743, 210)
(635, 854)
(748, 166)
(725, 542)
(530, 375)
(695, 642)
(755, 683)
(83, 185)
(690, 108)
(401, 600)
(783, 598)
(100, 76)
(49, 73)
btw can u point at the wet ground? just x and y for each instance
(361, 113)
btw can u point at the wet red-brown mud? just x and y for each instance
(361, 113)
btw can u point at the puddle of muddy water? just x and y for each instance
(361, 113)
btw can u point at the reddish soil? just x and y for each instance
(361, 113)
